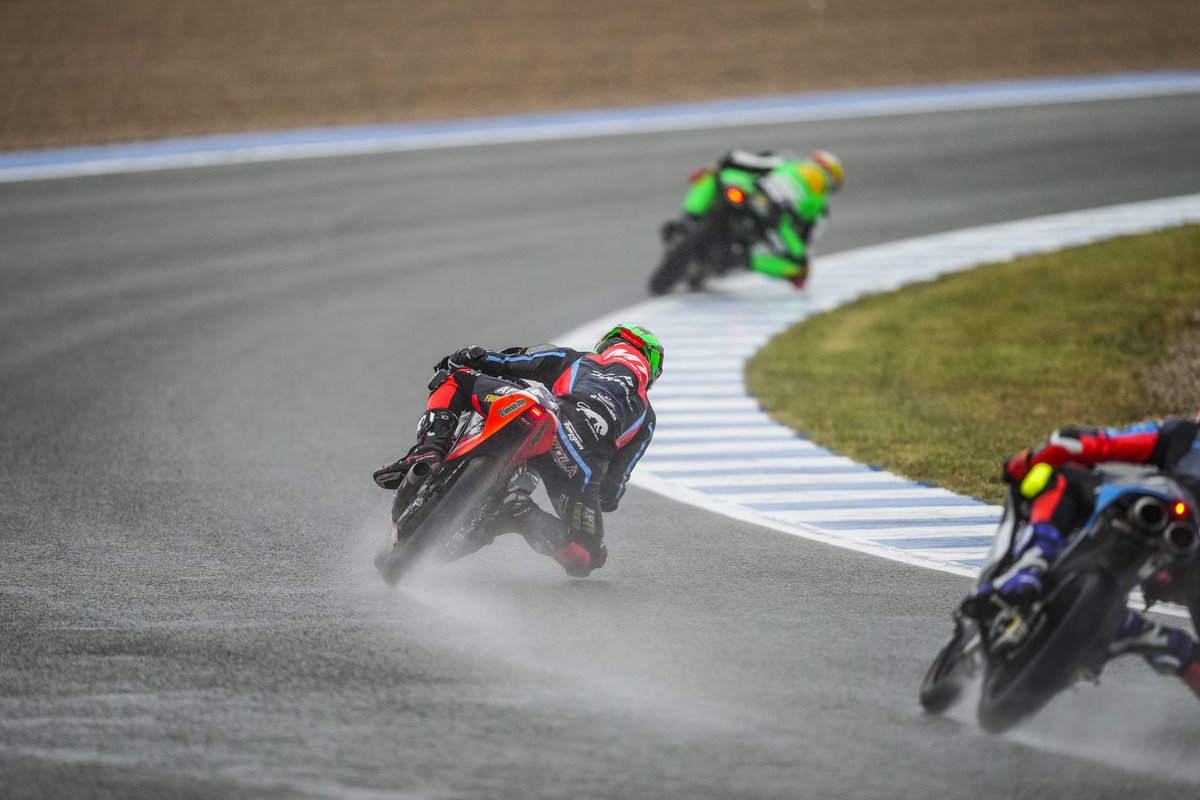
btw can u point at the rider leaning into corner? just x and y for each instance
(605, 424)
(799, 191)
(1061, 497)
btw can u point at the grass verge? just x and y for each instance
(940, 380)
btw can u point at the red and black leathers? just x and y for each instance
(605, 423)
(1172, 446)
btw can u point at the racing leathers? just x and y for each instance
(1062, 498)
(796, 207)
(605, 422)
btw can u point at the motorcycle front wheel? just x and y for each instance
(950, 670)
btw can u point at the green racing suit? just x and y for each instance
(791, 209)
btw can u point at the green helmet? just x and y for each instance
(642, 339)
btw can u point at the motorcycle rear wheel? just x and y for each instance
(1082, 614)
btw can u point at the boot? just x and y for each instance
(434, 432)
(577, 561)
(1191, 676)
(546, 534)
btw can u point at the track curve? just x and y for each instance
(200, 369)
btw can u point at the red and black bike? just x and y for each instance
(448, 512)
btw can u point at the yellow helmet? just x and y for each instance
(831, 165)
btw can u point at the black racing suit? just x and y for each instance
(605, 424)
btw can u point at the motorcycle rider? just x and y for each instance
(605, 424)
(798, 191)
(1062, 496)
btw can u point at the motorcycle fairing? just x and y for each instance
(503, 412)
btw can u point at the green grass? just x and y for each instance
(940, 380)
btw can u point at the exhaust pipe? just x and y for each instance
(1149, 514)
(1153, 515)
(1181, 537)
(417, 474)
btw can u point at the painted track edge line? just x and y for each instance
(971, 247)
(673, 491)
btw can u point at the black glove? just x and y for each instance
(467, 358)
(610, 499)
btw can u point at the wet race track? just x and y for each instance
(199, 370)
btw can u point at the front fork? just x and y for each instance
(969, 639)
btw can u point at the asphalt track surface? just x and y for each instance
(200, 368)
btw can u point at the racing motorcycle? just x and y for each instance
(445, 513)
(697, 248)
(1143, 523)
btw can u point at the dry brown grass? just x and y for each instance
(74, 71)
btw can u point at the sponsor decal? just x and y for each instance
(563, 461)
(630, 359)
(589, 519)
(503, 391)
(607, 402)
(624, 380)
(595, 421)
(572, 434)
(514, 407)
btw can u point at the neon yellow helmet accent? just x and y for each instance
(812, 176)
(832, 167)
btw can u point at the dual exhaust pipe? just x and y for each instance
(1154, 516)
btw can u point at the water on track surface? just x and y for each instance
(199, 370)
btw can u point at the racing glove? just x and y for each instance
(610, 494)
(1017, 467)
(466, 358)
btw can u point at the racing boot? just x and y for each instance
(433, 443)
(1168, 651)
(577, 561)
(1191, 676)
(1037, 545)
(799, 279)
(548, 535)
